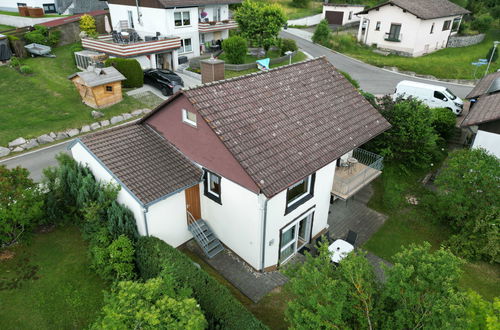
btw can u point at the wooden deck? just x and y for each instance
(349, 180)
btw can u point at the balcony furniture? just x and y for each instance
(351, 237)
(340, 249)
(123, 25)
(351, 161)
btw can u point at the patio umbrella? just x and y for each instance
(107, 25)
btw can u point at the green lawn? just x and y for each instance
(46, 100)
(48, 284)
(411, 224)
(297, 58)
(292, 12)
(252, 58)
(6, 27)
(448, 63)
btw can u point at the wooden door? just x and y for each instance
(193, 202)
(334, 17)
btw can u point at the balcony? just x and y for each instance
(392, 37)
(363, 168)
(106, 44)
(217, 26)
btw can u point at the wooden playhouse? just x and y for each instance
(99, 87)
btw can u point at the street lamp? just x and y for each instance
(289, 53)
(495, 44)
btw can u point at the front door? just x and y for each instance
(193, 203)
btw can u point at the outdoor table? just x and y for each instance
(340, 249)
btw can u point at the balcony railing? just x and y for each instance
(106, 45)
(393, 38)
(217, 26)
(352, 177)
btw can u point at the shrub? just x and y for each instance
(15, 62)
(113, 261)
(353, 81)
(482, 23)
(301, 3)
(322, 34)
(155, 304)
(130, 68)
(235, 49)
(495, 55)
(42, 35)
(87, 24)
(443, 121)
(26, 69)
(343, 42)
(287, 45)
(221, 309)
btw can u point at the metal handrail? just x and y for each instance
(195, 223)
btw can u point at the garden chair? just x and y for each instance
(351, 237)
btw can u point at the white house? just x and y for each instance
(187, 28)
(409, 27)
(341, 14)
(484, 114)
(250, 162)
(55, 6)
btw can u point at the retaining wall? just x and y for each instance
(464, 41)
(309, 20)
(19, 21)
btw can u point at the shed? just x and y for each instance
(5, 52)
(341, 14)
(99, 87)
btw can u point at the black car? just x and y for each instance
(165, 80)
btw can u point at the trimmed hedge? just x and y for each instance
(221, 309)
(130, 68)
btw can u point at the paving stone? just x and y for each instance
(105, 123)
(43, 139)
(95, 126)
(127, 116)
(85, 129)
(73, 132)
(61, 136)
(17, 142)
(4, 151)
(116, 119)
(137, 112)
(30, 144)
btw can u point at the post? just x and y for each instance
(495, 43)
(289, 53)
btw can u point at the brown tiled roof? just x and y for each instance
(143, 161)
(483, 85)
(486, 109)
(287, 123)
(425, 9)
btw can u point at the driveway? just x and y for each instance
(371, 79)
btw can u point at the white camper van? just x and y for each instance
(431, 95)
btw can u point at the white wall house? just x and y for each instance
(262, 189)
(410, 28)
(341, 14)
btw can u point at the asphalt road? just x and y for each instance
(371, 79)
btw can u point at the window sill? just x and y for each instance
(213, 197)
(290, 208)
(182, 26)
(392, 40)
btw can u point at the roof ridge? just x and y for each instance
(218, 82)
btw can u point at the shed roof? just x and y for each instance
(99, 76)
(425, 9)
(483, 85)
(486, 109)
(148, 165)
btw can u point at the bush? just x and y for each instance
(482, 23)
(87, 24)
(301, 3)
(130, 68)
(495, 55)
(235, 49)
(221, 309)
(42, 35)
(15, 62)
(26, 69)
(322, 34)
(113, 261)
(443, 121)
(343, 42)
(287, 45)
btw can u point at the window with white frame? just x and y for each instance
(212, 186)
(186, 46)
(182, 18)
(299, 193)
(189, 117)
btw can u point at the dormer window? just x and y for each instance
(189, 117)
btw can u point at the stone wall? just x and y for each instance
(464, 41)
(19, 21)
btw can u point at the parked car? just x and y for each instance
(165, 80)
(432, 95)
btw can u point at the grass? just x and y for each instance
(6, 27)
(315, 7)
(46, 100)
(408, 224)
(297, 58)
(251, 58)
(447, 63)
(54, 285)
(15, 13)
(270, 310)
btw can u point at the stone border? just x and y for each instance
(457, 41)
(21, 144)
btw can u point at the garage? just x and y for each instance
(334, 17)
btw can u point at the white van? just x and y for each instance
(431, 95)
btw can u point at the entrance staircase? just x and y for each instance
(205, 237)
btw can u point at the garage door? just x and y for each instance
(334, 17)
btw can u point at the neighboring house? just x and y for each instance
(341, 14)
(251, 160)
(190, 27)
(484, 114)
(410, 27)
(68, 7)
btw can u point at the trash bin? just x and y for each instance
(183, 59)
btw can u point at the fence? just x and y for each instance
(195, 63)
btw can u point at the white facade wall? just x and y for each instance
(211, 9)
(167, 220)
(415, 33)
(346, 10)
(489, 141)
(83, 156)
(277, 219)
(309, 20)
(237, 222)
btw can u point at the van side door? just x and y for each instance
(439, 99)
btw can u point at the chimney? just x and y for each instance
(212, 70)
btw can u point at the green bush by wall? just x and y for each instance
(130, 68)
(221, 309)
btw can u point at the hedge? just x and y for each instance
(130, 68)
(221, 309)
